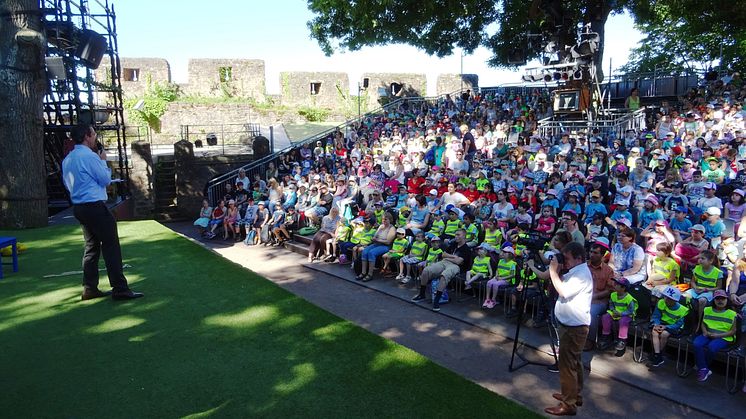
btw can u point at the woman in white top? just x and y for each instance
(275, 193)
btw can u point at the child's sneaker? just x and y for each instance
(467, 286)
(399, 277)
(486, 303)
(621, 347)
(406, 279)
(703, 375)
(492, 304)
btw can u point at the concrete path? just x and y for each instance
(478, 346)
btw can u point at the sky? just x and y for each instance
(276, 32)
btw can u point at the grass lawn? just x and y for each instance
(210, 339)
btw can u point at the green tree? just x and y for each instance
(689, 35)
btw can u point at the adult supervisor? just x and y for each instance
(573, 313)
(456, 259)
(86, 176)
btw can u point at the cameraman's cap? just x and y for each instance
(603, 242)
(672, 293)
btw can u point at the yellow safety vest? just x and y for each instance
(357, 235)
(342, 233)
(719, 321)
(433, 255)
(670, 316)
(666, 267)
(367, 237)
(619, 305)
(379, 216)
(506, 268)
(471, 232)
(493, 238)
(402, 220)
(418, 249)
(481, 265)
(706, 280)
(399, 245)
(438, 227)
(451, 227)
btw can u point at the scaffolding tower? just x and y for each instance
(74, 30)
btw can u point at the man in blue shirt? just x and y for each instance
(86, 176)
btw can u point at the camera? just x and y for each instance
(99, 146)
(533, 242)
(560, 258)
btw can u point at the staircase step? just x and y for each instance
(306, 240)
(296, 247)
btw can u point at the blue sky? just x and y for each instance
(276, 32)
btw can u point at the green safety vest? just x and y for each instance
(366, 237)
(507, 268)
(706, 280)
(481, 264)
(357, 235)
(399, 245)
(493, 238)
(433, 255)
(481, 183)
(438, 227)
(619, 305)
(342, 233)
(471, 232)
(451, 227)
(670, 316)
(719, 321)
(402, 220)
(418, 249)
(379, 216)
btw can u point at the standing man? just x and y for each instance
(86, 177)
(573, 313)
(456, 259)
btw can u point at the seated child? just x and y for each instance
(283, 233)
(204, 217)
(472, 232)
(622, 309)
(398, 247)
(437, 227)
(505, 277)
(481, 267)
(667, 320)
(363, 239)
(434, 254)
(408, 263)
(706, 278)
(664, 270)
(341, 234)
(718, 331)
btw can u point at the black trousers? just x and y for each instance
(100, 234)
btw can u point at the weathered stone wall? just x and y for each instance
(192, 175)
(135, 73)
(448, 83)
(141, 180)
(325, 90)
(380, 86)
(245, 78)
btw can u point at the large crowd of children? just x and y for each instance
(663, 207)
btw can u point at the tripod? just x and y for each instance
(523, 272)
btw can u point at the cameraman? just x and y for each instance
(573, 312)
(559, 240)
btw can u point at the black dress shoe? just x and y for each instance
(91, 294)
(126, 295)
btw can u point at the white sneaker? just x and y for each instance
(406, 280)
(400, 277)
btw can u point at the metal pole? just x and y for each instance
(461, 74)
(358, 101)
(222, 137)
(272, 138)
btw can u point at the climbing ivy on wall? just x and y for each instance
(155, 101)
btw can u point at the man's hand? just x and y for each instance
(102, 154)
(554, 266)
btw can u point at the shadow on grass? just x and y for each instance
(209, 339)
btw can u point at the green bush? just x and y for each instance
(314, 114)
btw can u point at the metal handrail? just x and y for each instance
(616, 124)
(259, 165)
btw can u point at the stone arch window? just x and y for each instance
(226, 74)
(315, 88)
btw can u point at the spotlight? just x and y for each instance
(527, 78)
(547, 77)
(577, 74)
(557, 76)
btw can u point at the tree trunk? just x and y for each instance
(598, 13)
(23, 189)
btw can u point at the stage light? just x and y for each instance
(547, 77)
(577, 74)
(557, 76)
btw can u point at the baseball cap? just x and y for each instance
(713, 211)
(552, 192)
(596, 194)
(622, 281)
(401, 231)
(433, 192)
(670, 134)
(619, 156)
(672, 293)
(231, 202)
(660, 222)
(688, 161)
(652, 199)
(435, 239)
(645, 185)
(603, 242)
(678, 184)
(719, 294)
(698, 227)
(508, 249)
(710, 185)
(625, 221)
(740, 192)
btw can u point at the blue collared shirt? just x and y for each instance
(86, 176)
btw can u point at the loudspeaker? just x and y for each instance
(366, 82)
(516, 56)
(91, 48)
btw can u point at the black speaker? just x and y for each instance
(711, 76)
(366, 82)
(516, 56)
(91, 48)
(260, 145)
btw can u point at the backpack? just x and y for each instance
(250, 236)
(307, 231)
(434, 288)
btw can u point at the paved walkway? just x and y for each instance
(477, 345)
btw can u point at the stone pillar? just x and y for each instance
(188, 196)
(141, 180)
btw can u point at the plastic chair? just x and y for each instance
(5, 242)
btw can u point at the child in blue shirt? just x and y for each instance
(680, 224)
(594, 207)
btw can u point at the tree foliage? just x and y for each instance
(684, 35)
(676, 31)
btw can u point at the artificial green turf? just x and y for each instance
(210, 339)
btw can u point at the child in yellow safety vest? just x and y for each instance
(504, 277)
(438, 226)
(668, 319)
(341, 234)
(362, 238)
(434, 254)
(481, 267)
(452, 225)
(706, 278)
(472, 232)
(622, 309)
(417, 254)
(398, 247)
(664, 269)
(492, 235)
(718, 331)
